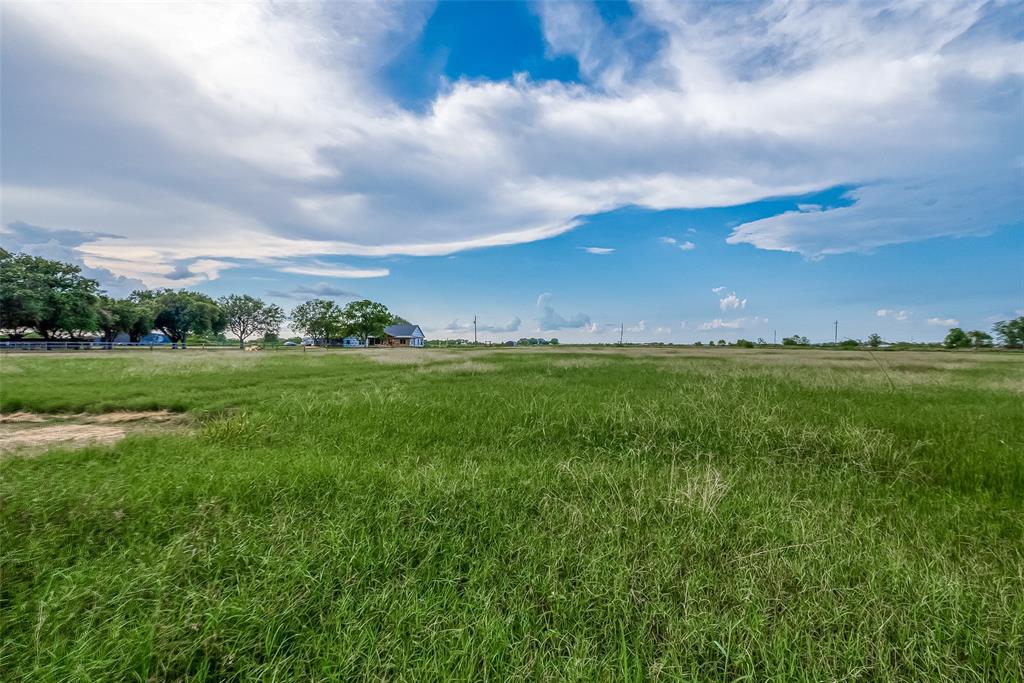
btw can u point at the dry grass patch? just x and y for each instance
(467, 367)
(26, 433)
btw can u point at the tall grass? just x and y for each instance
(564, 515)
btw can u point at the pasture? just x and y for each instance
(559, 514)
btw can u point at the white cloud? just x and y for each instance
(268, 134)
(639, 327)
(551, 320)
(735, 324)
(467, 327)
(732, 302)
(943, 322)
(685, 245)
(890, 313)
(335, 271)
(598, 250)
(718, 290)
(662, 330)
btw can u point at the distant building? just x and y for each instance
(403, 335)
(352, 342)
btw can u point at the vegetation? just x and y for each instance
(616, 514)
(1010, 332)
(53, 300)
(246, 316)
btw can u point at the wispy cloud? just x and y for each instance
(735, 324)
(598, 250)
(672, 241)
(462, 327)
(942, 322)
(901, 316)
(336, 271)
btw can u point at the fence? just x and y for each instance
(39, 346)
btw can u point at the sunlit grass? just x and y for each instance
(597, 514)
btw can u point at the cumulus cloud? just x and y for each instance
(552, 320)
(732, 302)
(718, 290)
(598, 250)
(668, 240)
(687, 246)
(662, 330)
(269, 134)
(943, 322)
(639, 327)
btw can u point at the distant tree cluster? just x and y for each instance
(55, 301)
(322, 320)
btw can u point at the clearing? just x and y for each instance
(554, 514)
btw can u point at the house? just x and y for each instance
(352, 342)
(403, 335)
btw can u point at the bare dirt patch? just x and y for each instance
(32, 433)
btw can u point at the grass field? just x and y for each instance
(567, 514)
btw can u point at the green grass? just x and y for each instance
(566, 514)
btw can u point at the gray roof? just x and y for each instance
(402, 330)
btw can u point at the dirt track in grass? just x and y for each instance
(25, 433)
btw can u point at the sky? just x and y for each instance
(672, 172)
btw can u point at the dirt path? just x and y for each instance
(32, 433)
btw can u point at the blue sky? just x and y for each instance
(690, 171)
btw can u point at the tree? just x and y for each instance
(554, 341)
(181, 313)
(51, 297)
(141, 314)
(795, 340)
(114, 316)
(364, 319)
(246, 315)
(956, 339)
(1010, 332)
(317, 318)
(979, 339)
(874, 340)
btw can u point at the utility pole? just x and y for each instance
(621, 329)
(775, 337)
(837, 332)
(474, 329)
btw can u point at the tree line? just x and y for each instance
(55, 301)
